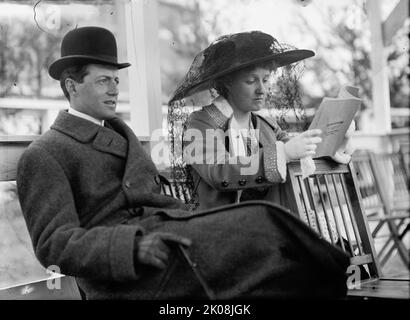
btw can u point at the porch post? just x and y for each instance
(381, 122)
(141, 21)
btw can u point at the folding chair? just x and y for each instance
(329, 201)
(393, 181)
(383, 185)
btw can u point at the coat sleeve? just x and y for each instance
(281, 135)
(204, 150)
(102, 252)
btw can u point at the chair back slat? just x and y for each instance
(351, 215)
(305, 202)
(333, 207)
(368, 186)
(322, 201)
(318, 226)
(342, 213)
(176, 188)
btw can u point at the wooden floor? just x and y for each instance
(383, 289)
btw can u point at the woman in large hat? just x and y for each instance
(234, 154)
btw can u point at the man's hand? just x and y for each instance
(303, 145)
(152, 248)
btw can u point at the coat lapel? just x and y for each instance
(266, 137)
(138, 163)
(109, 141)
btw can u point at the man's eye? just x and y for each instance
(250, 81)
(103, 81)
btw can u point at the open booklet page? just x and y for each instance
(333, 117)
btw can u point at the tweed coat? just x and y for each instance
(88, 191)
(217, 184)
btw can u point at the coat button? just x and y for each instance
(127, 184)
(259, 179)
(225, 183)
(242, 182)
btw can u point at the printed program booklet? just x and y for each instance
(333, 117)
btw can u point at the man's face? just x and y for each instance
(97, 95)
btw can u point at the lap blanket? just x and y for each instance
(251, 250)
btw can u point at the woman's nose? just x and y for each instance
(261, 87)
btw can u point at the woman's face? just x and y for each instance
(247, 89)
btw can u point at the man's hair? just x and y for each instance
(221, 84)
(77, 73)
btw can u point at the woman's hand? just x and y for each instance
(344, 153)
(303, 145)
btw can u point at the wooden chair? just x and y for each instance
(384, 187)
(11, 148)
(329, 201)
(177, 188)
(394, 180)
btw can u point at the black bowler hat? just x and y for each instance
(233, 52)
(86, 45)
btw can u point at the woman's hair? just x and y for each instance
(221, 84)
(77, 73)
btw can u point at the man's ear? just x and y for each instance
(71, 86)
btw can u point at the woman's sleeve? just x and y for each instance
(204, 150)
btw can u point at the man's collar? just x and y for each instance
(76, 127)
(85, 116)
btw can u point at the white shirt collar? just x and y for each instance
(226, 109)
(223, 105)
(236, 133)
(85, 116)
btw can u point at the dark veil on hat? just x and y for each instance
(233, 52)
(225, 55)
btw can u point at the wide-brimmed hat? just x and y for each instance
(86, 45)
(234, 52)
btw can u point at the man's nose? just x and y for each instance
(113, 88)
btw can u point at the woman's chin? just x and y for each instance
(257, 106)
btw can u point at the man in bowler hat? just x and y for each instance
(91, 199)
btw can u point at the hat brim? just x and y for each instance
(58, 66)
(281, 59)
